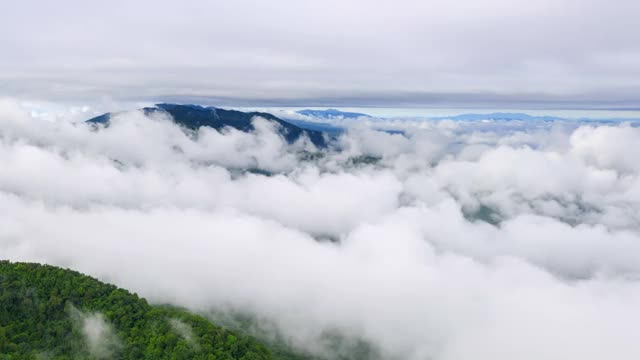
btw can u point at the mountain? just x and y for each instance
(318, 126)
(504, 116)
(195, 116)
(331, 114)
(50, 312)
(497, 116)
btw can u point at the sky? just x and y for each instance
(561, 54)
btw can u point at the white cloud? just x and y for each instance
(414, 271)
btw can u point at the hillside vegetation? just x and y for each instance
(52, 313)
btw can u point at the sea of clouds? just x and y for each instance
(450, 240)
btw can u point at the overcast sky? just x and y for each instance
(466, 53)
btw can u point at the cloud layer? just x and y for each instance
(456, 240)
(101, 340)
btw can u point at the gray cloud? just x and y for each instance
(563, 54)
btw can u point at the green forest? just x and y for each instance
(48, 312)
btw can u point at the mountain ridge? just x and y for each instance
(332, 114)
(196, 116)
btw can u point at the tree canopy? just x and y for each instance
(48, 312)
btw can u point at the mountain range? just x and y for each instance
(318, 132)
(195, 116)
(502, 116)
(331, 114)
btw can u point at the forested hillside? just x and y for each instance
(52, 313)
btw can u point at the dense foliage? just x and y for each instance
(38, 304)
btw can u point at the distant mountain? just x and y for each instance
(504, 116)
(318, 126)
(498, 116)
(195, 116)
(332, 114)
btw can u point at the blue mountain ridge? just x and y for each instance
(195, 116)
(318, 126)
(504, 116)
(331, 114)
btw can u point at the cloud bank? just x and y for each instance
(453, 240)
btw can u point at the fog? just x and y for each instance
(453, 240)
(100, 339)
(185, 331)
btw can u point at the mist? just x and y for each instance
(453, 240)
(559, 54)
(100, 339)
